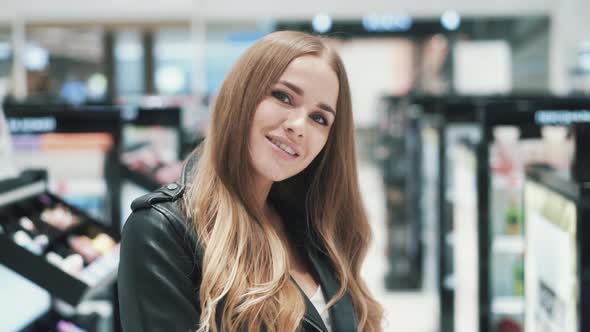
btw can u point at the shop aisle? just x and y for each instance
(404, 311)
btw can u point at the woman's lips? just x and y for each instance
(283, 154)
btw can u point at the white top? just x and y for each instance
(319, 302)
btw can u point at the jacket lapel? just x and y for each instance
(312, 316)
(342, 315)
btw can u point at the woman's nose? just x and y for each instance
(295, 123)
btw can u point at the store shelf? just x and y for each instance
(508, 244)
(66, 282)
(508, 305)
(16, 194)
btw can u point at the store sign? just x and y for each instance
(32, 125)
(551, 286)
(561, 117)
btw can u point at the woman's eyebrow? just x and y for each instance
(299, 91)
(326, 108)
(293, 87)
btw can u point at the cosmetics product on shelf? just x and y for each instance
(21, 238)
(169, 173)
(518, 275)
(83, 245)
(505, 276)
(103, 243)
(557, 149)
(54, 259)
(27, 224)
(59, 217)
(513, 219)
(508, 325)
(143, 159)
(65, 326)
(77, 255)
(92, 273)
(506, 157)
(41, 240)
(24, 240)
(73, 264)
(101, 267)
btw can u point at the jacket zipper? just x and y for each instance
(317, 327)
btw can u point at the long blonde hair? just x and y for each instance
(245, 269)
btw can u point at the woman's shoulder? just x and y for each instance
(158, 217)
(160, 212)
(160, 263)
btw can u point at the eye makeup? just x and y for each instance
(282, 97)
(317, 117)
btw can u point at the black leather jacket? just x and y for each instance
(159, 270)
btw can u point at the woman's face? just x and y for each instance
(291, 124)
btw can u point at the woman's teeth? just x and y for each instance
(284, 148)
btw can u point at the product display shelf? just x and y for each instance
(151, 153)
(145, 181)
(483, 115)
(42, 237)
(399, 152)
(54, 132)
(81, 321)
(152, 138)
(511, 128)
(557, 211)
(447, 119)
(164, 117)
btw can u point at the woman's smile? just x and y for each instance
(283, 149)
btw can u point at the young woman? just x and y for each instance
(266, 232)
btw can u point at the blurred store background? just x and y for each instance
(471, 123)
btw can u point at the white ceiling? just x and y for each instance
(142, 10)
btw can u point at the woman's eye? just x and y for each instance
(285, 98)
(319, 119)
